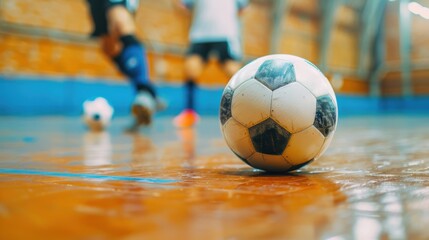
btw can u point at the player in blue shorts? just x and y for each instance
(215, 30)
(114, 25)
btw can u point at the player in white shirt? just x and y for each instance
(215, 31)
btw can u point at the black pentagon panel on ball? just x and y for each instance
(276, 73)
(326, 115)
(225, 105)
(269, 137)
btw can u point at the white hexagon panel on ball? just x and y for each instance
(237, 138)
(304, 146)
(271, 163)
(313, 79)
(251, 103)
(294, 107)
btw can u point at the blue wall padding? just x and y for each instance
(407, 104)
(24, 95)
(35, 96)
(350, 104)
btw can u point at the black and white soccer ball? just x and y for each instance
(278, 113)
(97, 114)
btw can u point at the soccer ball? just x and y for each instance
(278, 113)
(97, 114)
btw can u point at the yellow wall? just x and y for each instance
(38, 42)
(391, 82)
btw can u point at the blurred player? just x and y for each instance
(113, 22)
(215, 30)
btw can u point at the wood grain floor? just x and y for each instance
(58, 181)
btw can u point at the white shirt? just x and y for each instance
(216, 20)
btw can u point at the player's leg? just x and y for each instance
(131, 60)
(194, 66)
(231, 67)
(230, 62)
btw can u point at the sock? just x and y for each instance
(146, 87)
(190, 89)
(133, 63)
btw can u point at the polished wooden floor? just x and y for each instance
(58, 181)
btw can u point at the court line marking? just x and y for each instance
(84, 176)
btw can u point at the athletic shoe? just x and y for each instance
(187, 118)
(161, 105)
(143, 108)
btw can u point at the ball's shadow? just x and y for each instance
(260, 173)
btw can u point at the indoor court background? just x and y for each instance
(57, 180)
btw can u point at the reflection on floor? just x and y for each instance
(59, 181)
